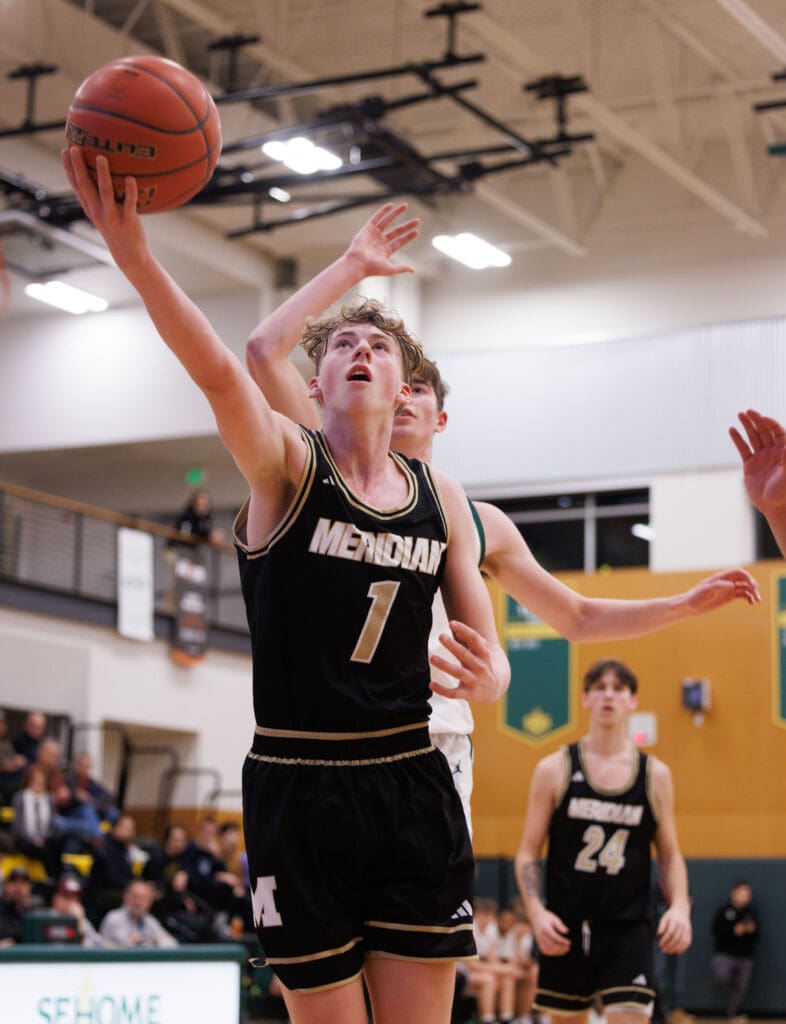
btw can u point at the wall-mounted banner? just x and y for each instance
(189, 627)
(540, 702)
(135, 584)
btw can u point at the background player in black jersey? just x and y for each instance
(601, 803)
(360, 383)
(506, 558)
(763, 453)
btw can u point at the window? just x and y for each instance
(584, 531)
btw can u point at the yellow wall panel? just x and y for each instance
(728, 772)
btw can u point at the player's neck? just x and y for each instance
(607, 741)
(363, 459)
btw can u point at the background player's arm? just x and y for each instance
(481, 667)
(271, 343)
(674, 929)
(267, 448)
(549, 930)
(510, 563)
(763, 454)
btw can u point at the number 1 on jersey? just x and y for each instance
(382, 594)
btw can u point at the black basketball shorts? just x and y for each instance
(613, 961)
(356, 847)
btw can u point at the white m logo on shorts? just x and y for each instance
(264, 902)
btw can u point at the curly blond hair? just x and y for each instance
(318, 330)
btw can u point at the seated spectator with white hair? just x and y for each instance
(132, 924)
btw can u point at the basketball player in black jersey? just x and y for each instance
(601, 803)
(506, 558)
(359, 854)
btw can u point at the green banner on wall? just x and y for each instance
(540, 702)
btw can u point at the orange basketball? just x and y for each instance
(152, 119)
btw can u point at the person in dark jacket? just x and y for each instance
(735, 930)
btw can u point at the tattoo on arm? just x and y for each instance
(530, 880)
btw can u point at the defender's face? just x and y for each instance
(361, 367)
(418, 421)
(609, 700)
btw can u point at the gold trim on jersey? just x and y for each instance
(363, 762)
(323, 954)
(466, 926)
(352, 499)
(566, 773)
(649, 784)
(302, 492)
(602, 789)
(296, 734)
(432, 485)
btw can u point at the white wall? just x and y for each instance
(94, 675)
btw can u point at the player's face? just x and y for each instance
(361, 367)
(416, 424)
(609, 700)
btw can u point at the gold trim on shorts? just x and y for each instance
(297, 734)
(330, 984)
(420, 959)
(323, 954)
(444, 929)
(349, 763)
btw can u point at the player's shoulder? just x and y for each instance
(549, 772)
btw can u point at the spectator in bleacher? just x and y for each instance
(196, 518)
(26, 742)
(208, 876)
(112, 868)
(83, 808)
(229, 842)
(15, 901)
(67, 899)
(34, 830)
(12, 764)
(48, 760)
(132, 924)
(187, 917)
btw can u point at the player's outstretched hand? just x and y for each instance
(763, 454)
(473, 668)
(379, 238)
(674, 931)
(551, 934)
(720, 589)
(118, 223)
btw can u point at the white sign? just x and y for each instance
(149, 992)
(134, 584)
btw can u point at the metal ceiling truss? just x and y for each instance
(370, 149)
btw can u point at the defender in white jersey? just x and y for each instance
(506, 558)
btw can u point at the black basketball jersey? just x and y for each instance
(338, 600)
(598, 864)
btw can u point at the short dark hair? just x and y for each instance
(620, 670)
(429, 372)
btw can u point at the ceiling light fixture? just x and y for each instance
(301, 155)
(279, 194)
(643, 531)
(66, 297)
(471, 250)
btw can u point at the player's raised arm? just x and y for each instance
(271, 343)
(483, 671)
(674, 928)
(763, 454)
(580, 619)
(264, 444)
(550, 931)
